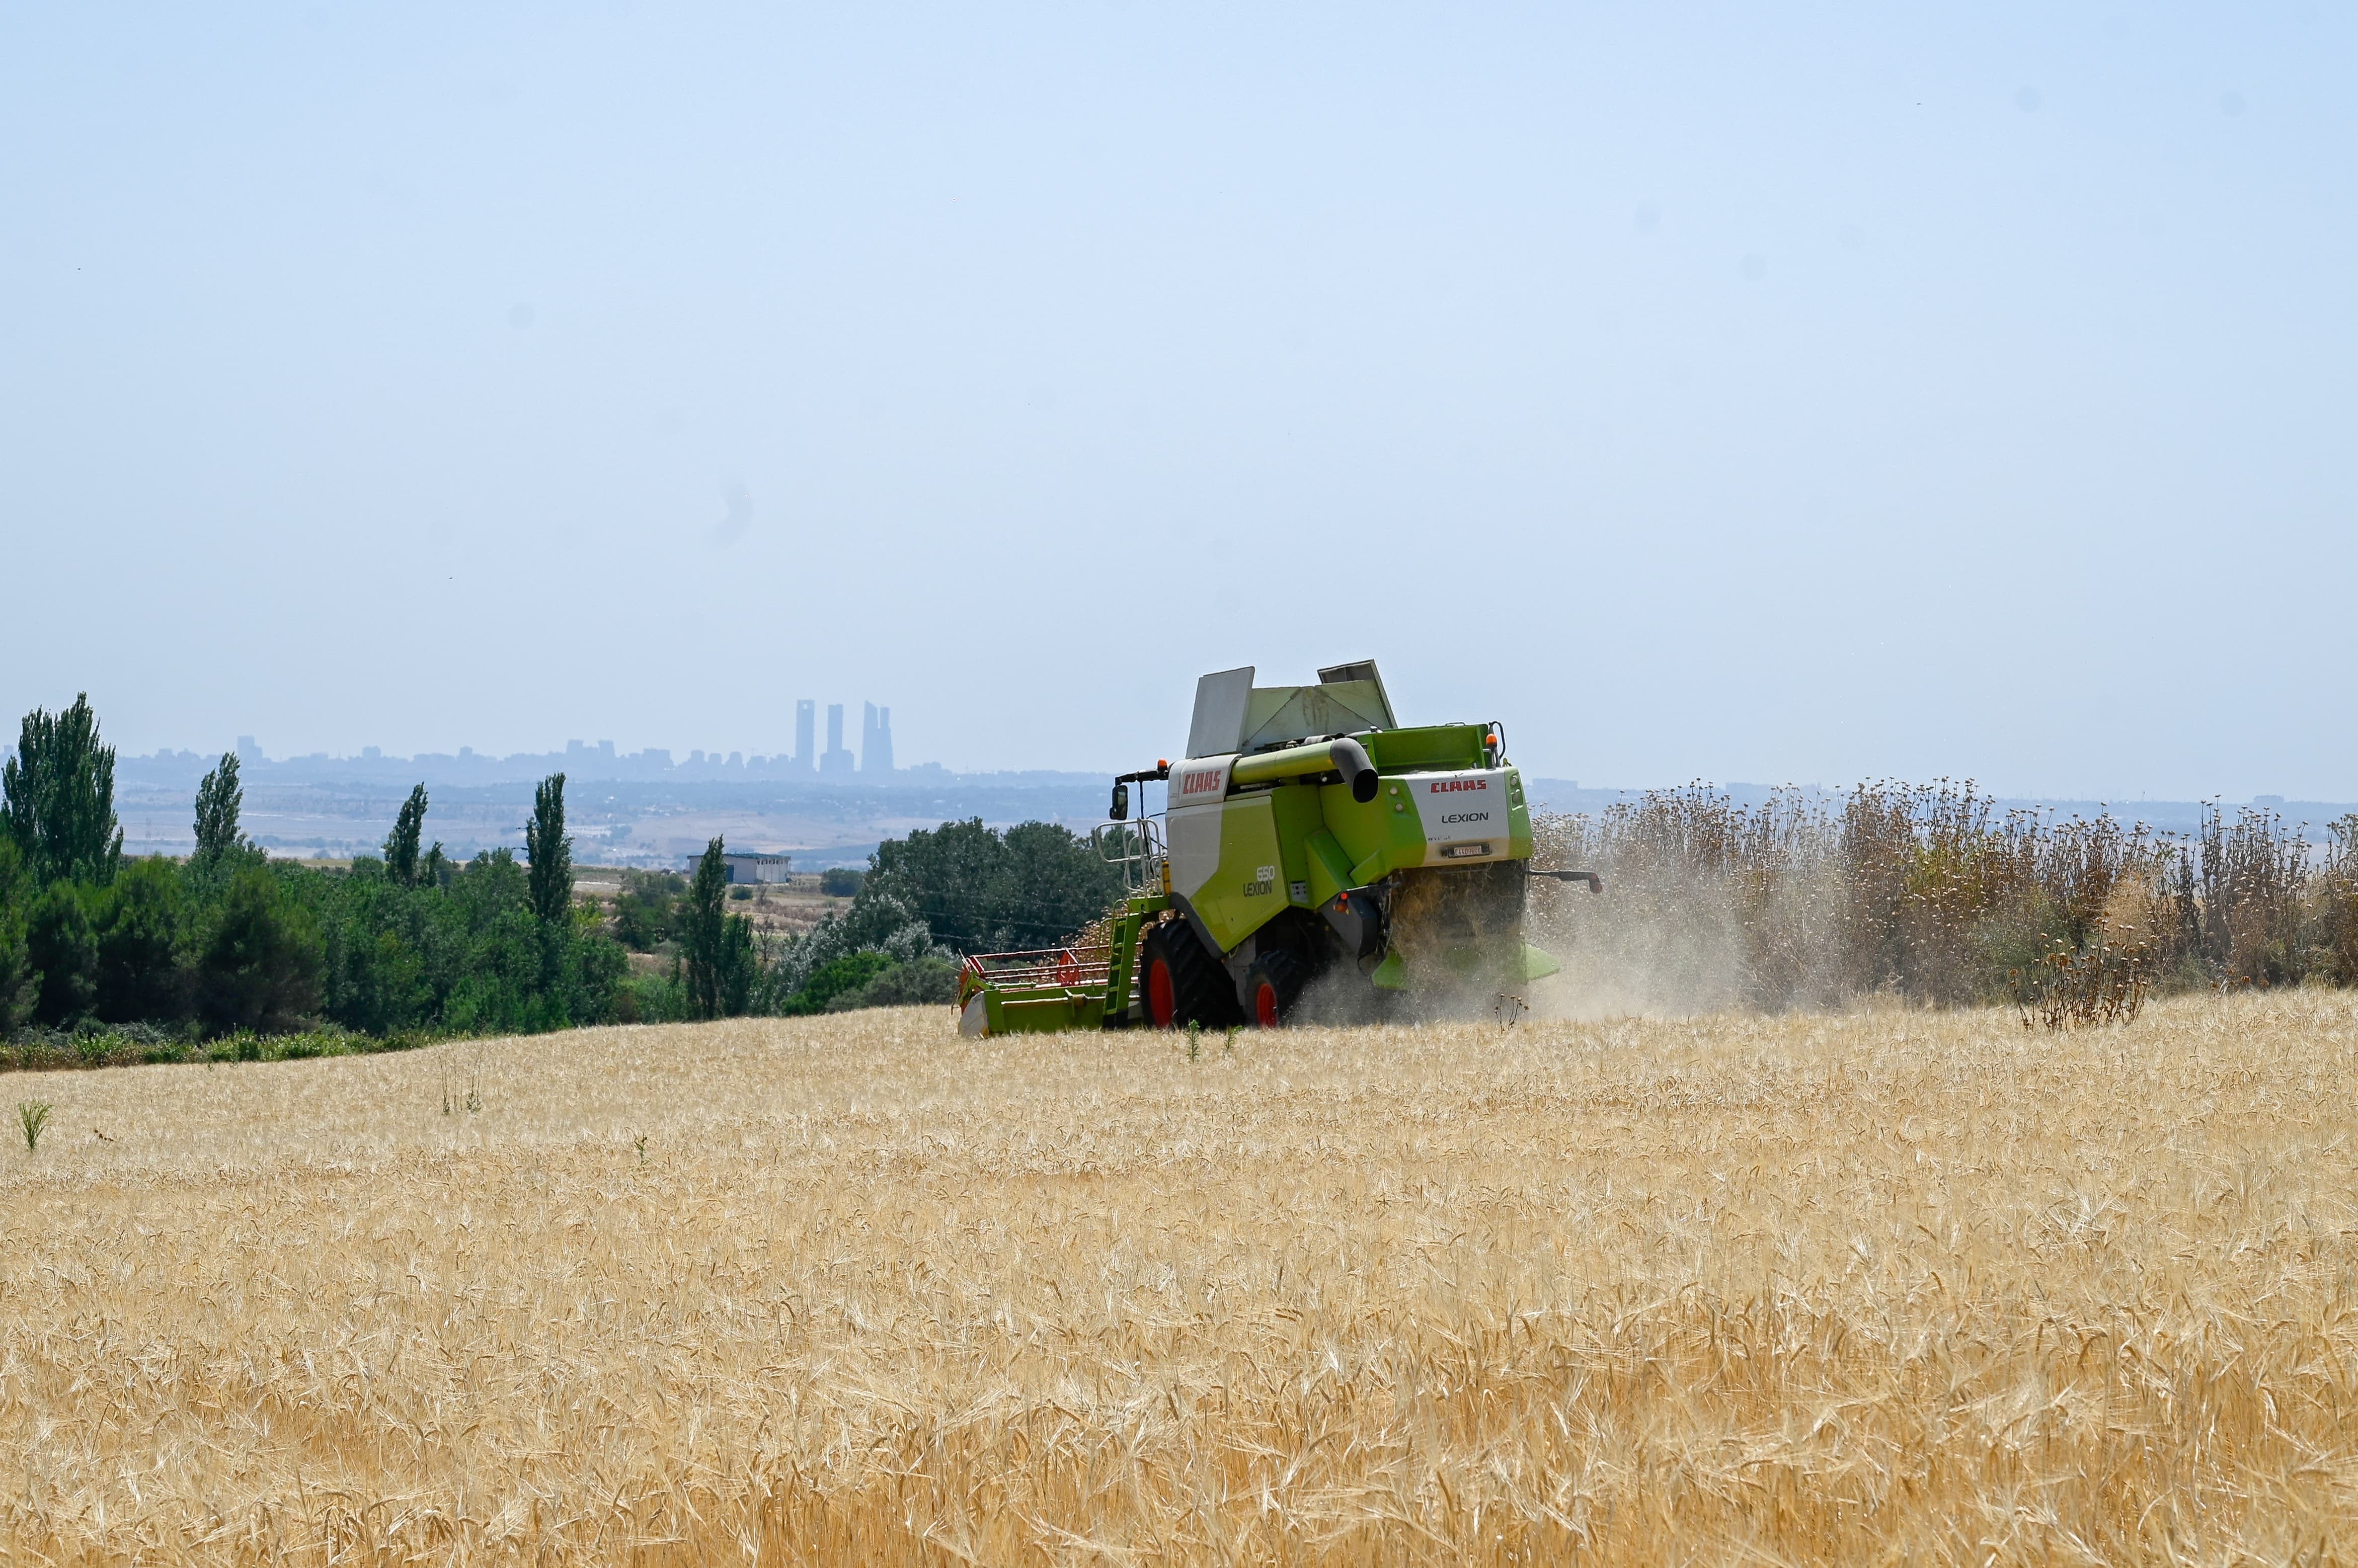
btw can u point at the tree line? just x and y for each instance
(411, 941)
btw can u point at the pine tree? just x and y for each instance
(550, 852)
(59, 793)
(401, 844)
(219, 800)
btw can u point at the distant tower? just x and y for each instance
(805, 745)
(875, 740)
(836, 762)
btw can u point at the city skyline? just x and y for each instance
(874, 757)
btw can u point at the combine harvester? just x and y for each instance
(1309, 840)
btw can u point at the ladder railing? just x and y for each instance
(1135, 847)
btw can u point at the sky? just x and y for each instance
(1797, 393)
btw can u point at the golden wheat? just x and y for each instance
(1881, 1286)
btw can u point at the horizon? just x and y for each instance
(928, 770)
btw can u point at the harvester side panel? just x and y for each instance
(1298, 813)
(1235, 894)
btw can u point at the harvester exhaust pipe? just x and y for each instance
(1345, 756)
(1351, 761)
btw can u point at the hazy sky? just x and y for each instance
(1701, 392)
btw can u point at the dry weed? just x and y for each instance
(1881, 1286)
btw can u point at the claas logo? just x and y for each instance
(1451, 786)
(1197, 783)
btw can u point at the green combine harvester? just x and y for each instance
(1312, 847)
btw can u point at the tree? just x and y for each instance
(401, 844)
(739, 969)
(219, 800)
(699, 926)
(716, 948)
(63, 945)
(977, 890)
(138, 922)
(550, 852)
(19, 980)
(261, 964)
(59, 793)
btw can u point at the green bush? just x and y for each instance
(847, 976)
(921, 982)
(646, 910)
(648, 998)
(841, 882)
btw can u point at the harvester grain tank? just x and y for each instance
(1312, 847)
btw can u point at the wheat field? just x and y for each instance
(1876, 1287)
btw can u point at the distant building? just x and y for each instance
(805, 743)
(836, 762)
(876, 740)
(750, 868)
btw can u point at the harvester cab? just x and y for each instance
(1314, 856)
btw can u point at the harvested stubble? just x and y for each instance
(1881, 1286)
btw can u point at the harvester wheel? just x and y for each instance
(1272, 985)
(1180, 985)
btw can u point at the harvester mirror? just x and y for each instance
(1120, 809)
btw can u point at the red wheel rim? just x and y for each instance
(1265, 1004)
(1160, 1008)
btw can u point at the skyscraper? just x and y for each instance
(805, 744)
(875, 740)
(835, 763)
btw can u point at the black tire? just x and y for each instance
(1174, 972)
(1271, 987)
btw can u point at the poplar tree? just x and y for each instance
(60, 797)
(219, 800)
(721, 961)
(550, 852)
(704, 931)
(401, 844)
